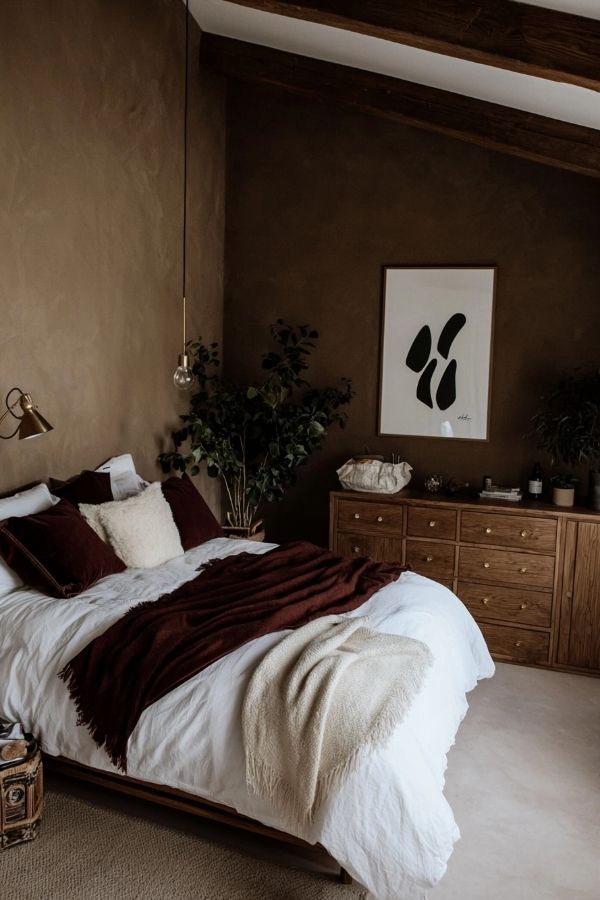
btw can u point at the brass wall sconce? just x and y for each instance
(31, 422)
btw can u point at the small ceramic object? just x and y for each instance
(434, 483)
(563, 496)
(456, 485)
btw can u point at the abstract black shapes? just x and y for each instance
(446, 392)
(449, 332)
(424, 385)
(419, 354)
(419, 350)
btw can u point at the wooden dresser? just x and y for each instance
(528, 572)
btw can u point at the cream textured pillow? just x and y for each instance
(91, 514)
(141, 529)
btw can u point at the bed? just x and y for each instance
(388, 824)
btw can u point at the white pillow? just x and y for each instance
(25, 503)
(124, 480)
(142, 530)
(91, 514)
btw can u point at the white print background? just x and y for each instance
(417, 297)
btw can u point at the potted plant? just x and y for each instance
(254, 436)
(563, 489)
(567, 427)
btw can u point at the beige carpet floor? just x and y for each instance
(523, 780)
(90, 849)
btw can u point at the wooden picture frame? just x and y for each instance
(436, 343)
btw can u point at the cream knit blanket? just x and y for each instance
(322, 696)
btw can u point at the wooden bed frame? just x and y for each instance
(176, 799)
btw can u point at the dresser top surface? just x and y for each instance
(465, 500)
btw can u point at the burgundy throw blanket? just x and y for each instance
(158, 645)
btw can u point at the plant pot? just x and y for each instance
(594, 491)
(563, 496)
(254, 532)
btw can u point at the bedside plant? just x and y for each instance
(255, 436)
(567, 427)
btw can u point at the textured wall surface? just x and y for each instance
(319, 199)
(91, 112)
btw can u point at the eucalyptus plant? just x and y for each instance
(567, 426)
(254, 437)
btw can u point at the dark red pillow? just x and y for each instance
(56, 551)
(87, 487)
(195, 522)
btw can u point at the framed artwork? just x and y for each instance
(436, 351)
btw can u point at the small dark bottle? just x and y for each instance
(534, 488)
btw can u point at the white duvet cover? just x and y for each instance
(388, 824)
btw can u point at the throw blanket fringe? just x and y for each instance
(320, 700)
(160, 644)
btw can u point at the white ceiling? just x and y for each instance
(537, 95)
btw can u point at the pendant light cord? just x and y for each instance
(185, 125)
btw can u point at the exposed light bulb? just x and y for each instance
(183, 377)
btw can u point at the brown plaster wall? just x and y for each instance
(91, 106)
(319, 199)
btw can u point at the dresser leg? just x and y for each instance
(345, 878)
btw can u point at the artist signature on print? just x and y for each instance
(464, 417)
(419, 359)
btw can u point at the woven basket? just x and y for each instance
(254, 532)
(21, 798)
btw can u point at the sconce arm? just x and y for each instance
(9, 410)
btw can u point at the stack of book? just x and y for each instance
(502, 493)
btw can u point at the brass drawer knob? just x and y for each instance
(523, 569)
(524, 533)
(486, 565)
(380, 518)
(433, 523)
(485, 600)
(356, 549)
(523, 606)
(429, 559)
(518, 643)
(357, 515)
(488, 530)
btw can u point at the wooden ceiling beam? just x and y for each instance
(516, 36)
(561, 144)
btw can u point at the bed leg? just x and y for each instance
(345, 878)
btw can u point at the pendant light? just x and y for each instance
(183, 377)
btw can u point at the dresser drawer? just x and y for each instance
(431, 559)
(520, 532)
(516, 605)
(386, 549)
(429, 522)
(366, 516)
(528, 570)
(518, 644)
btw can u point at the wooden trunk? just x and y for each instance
(21, 799)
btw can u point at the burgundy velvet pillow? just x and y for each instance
(195, 522)
(56, 551)
(87, 487)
